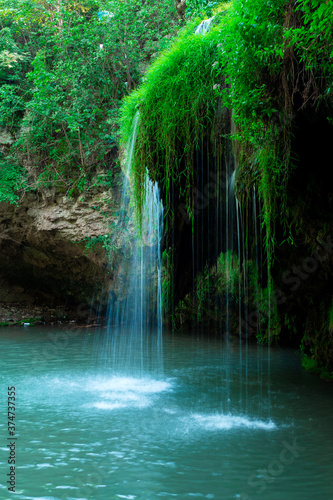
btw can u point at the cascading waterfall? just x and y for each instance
(227, 233)
(252, 317)
(236, 242)
(204, 26)
(135, 316)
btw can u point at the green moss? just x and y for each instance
(263, 61)
(228, 296)
(239, 61)
(317, 342)
(177, 103)
(311, 365)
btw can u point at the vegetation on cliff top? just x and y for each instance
(256, 58)
(64, 68)
(176, 103)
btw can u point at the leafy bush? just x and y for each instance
(229, 296)
(65, 67)
(10, 181)
(197, 7)
(176, 103)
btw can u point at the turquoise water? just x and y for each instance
(215, 422)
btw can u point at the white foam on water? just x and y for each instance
(113, 383)
(105, 393)
(227, 422)
(124, 384)
(66, 487)
(124, 392)
(104, 405)
(122, 396)
(170, 411)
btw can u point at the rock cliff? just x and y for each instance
(44, 259)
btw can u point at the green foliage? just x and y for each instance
(64, 68)
(311, 365)
(330, 319)
(197, 7)
(228, 274)
(11, 107)
(176, 104)
(103, 240)
(10, 180)
(317, 343)
(230, 296)
(239, 61)
(32, 321)
(12, 56)
(313, 40)
(251, 60)
(243, 49)
(269, 53)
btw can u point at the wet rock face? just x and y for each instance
(304, 270)
(43, 255)
(195, 246)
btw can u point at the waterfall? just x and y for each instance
(247, 305)
(135, 313)
(217, 274)
(204, 26)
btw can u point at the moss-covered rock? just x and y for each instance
(263, 64)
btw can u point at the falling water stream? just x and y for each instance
(204, 26)
(135, 316)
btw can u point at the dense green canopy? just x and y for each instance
(64, 68)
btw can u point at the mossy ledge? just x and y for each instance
(263, 64)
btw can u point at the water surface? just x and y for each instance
(209, 420)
